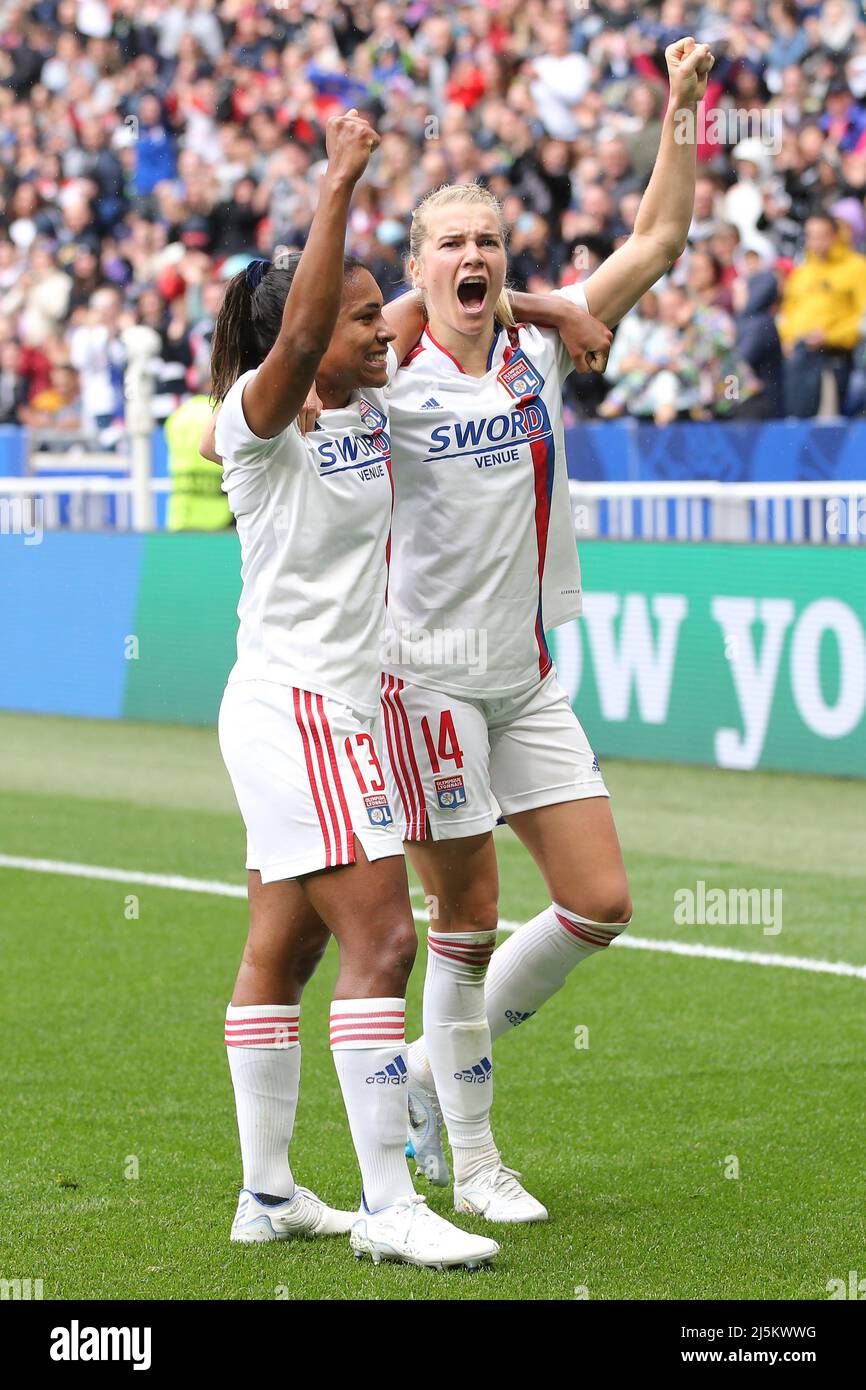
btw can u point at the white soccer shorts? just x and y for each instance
(454, 764)
(307, 777)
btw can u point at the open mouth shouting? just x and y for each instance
(472, 294)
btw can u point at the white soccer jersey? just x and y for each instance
(313, 516)
(483, 549)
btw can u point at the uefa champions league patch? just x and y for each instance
(378, 809)
(519, 377)
(372, 418)
(450, 792)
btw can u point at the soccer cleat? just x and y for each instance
(410, 1232)
(303, 1214)
(425, 1135)
(498, 1196)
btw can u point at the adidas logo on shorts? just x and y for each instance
(515, 1017)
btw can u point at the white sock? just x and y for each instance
(368, 1043)
(533, 963)
(264, 1055)
(457, 1042)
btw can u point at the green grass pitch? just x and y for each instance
(119, 1157)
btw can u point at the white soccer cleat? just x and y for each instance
(303, 1214)
(425, 1135)
(410, 1232)
(498, 1196)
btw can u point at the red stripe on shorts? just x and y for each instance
(338, 782)
(311, 773)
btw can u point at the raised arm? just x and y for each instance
(276, 393)
(667, 207)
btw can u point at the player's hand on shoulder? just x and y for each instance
(350, 140)
(689, 66)
(586, 339)
(309, 412)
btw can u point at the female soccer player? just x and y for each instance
(296, 728)
(483, 560)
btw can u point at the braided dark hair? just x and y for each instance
(251, 316)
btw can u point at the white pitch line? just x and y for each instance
(176, 881)
(682, 948)
(216, 888)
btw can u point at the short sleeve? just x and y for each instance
(576, 295)
(235, 442)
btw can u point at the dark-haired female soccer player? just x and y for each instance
(297, 723)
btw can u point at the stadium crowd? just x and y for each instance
(148, 148)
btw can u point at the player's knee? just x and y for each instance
(617, 908)
(609, 903)
(479, 912)
(402, 944)
(390, 951)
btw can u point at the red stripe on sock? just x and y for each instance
(385, 1013)
(594, 938)
(435, 939)
(261, 1018)
(395, 1039)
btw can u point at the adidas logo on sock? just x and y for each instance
(481, 1072)
(394, 1074)
(515, 1017)
(432, 404)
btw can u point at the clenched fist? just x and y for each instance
(349, 140)
(689, 66)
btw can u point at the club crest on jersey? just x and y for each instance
(519, 377)
(378, 810)
(371, 417)
(450, 792)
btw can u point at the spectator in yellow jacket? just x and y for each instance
(197, 502)
(823, 303)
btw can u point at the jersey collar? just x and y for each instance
(448, 362)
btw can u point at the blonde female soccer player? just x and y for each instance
(483, 561)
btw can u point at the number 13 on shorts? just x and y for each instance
(361, 752)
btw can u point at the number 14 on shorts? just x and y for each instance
(450, 789)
